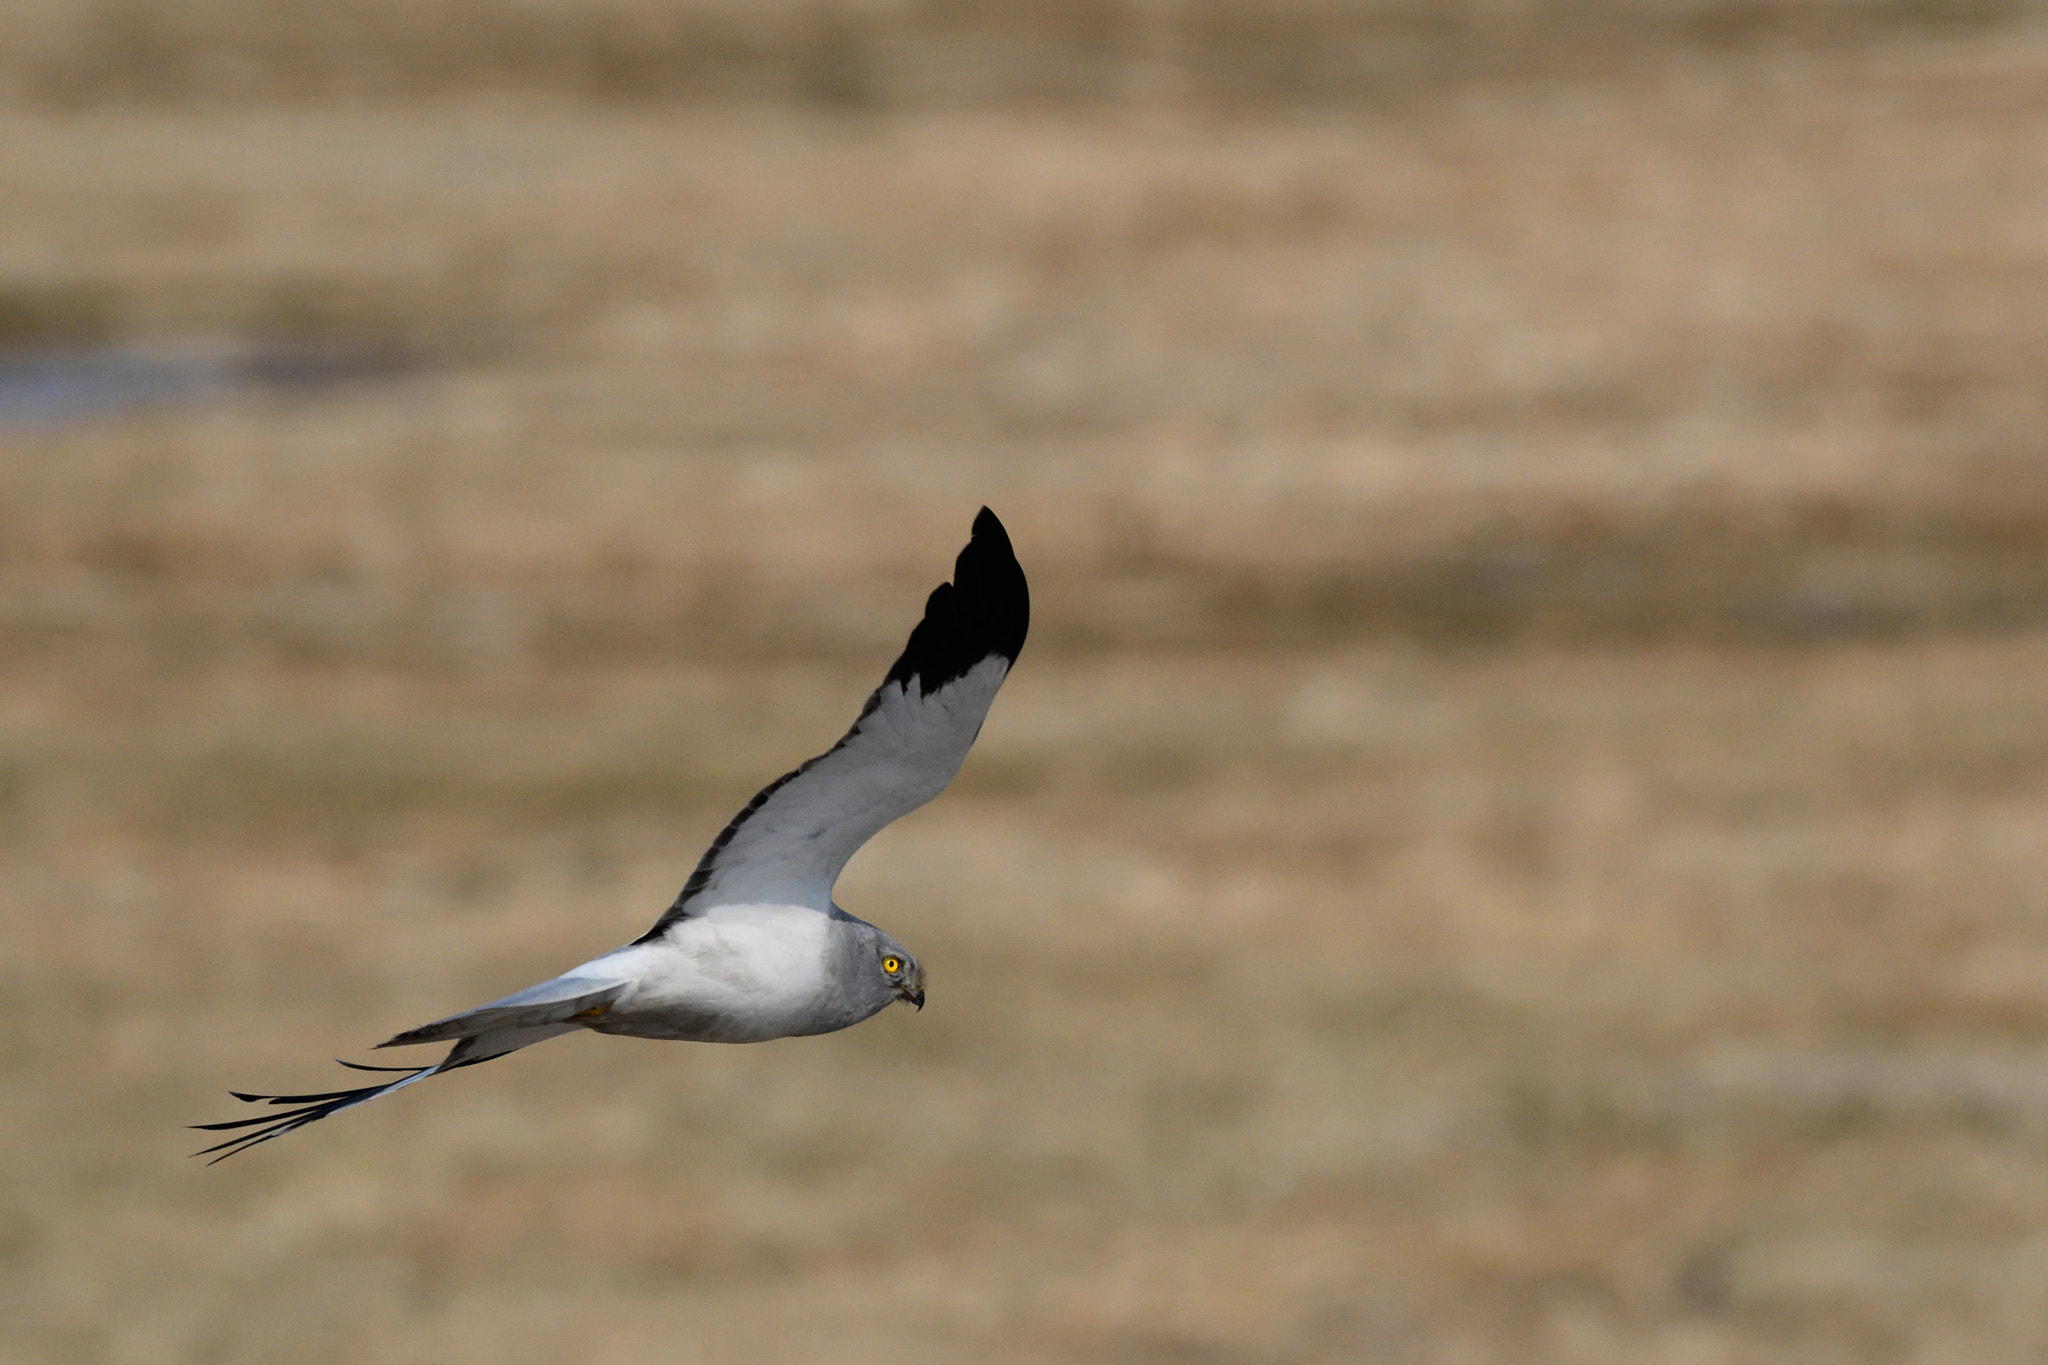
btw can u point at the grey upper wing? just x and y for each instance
(790, 842)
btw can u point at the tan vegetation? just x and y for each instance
(1516, 838)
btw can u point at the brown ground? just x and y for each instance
(1518, 836)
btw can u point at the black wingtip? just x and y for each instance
(983, 613)
(988, 575)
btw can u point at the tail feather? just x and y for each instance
(314, 1107)
(264, 1127)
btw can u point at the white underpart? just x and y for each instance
(749, 972)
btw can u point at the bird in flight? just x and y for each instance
(753, 947)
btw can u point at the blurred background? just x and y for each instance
(1517, 836)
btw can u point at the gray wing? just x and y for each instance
(791, 841)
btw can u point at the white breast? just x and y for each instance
(733, 974)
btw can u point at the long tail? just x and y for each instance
(264, 1127)
(312, 1108)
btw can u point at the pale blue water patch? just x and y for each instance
(51, 387)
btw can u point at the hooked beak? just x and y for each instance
(913, 991)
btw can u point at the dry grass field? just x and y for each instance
(1518, 836)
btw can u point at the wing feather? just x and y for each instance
(790, 842)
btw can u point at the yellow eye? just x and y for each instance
(892, 965)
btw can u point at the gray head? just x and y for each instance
(884, 967)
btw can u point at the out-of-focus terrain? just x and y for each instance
(1517, 837)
